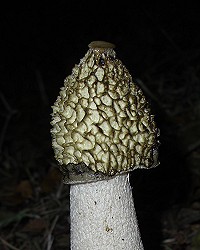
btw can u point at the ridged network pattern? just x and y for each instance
(102, 118)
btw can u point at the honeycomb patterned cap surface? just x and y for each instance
(102, 119)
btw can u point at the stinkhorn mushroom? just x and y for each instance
(102, 130)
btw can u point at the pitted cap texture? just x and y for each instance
(102, 119)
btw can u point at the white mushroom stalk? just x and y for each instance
(103, 216)
(102, 130)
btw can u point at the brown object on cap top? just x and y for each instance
(101, 45)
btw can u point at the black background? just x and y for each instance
(52, 37)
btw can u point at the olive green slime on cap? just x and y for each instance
(101, 119)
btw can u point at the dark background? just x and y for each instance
(159, 44)
(53, 37)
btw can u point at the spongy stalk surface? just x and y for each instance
(103, 216)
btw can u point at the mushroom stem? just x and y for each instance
(103, 216)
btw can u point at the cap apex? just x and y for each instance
(101, 45)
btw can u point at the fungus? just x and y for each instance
(102, 130)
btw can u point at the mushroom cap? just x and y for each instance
(101, 120)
